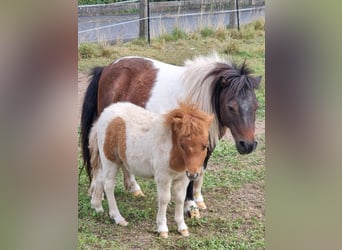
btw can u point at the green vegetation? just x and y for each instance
(234, 184)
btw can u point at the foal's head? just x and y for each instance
(190, 131)
(236, 104)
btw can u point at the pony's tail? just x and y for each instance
(89, 114)
(95, 160)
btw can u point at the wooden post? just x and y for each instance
(142, 15)
(232, 14)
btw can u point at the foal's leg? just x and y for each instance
(96, 191)
(164, 196)
(131, 184)
(110, 171)
(179, 190)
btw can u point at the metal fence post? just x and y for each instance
(237, 14)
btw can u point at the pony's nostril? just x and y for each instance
(191, 176)
(243, 144)
(245, 147)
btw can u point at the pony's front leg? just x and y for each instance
(197, 191)
(164, 196)
(190, 206)
(179, 191)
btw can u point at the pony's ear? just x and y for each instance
(224, 82)
(177, 123)
(256, 81)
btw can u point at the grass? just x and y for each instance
(233, 185)
(233, 189)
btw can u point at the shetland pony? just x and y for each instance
(217, 86)
(171, 148)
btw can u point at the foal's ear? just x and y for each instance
(177, 123)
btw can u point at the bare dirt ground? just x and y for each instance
(83, 81)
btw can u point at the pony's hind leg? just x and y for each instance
(96, 191)
(131, 184)
(109, 185)
(197, 192)
(179, 190)
(96, 197)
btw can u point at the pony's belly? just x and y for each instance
(140, 168)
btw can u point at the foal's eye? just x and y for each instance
(204, 147)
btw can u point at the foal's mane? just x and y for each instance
(189, 116)
(204, 79)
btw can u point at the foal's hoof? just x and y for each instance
(138, 193)
(184, 232)
(164, 235)
(123, 223)
(201, 205)
(194, 213)
(99, 210)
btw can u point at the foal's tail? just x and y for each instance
(95, 160)
(89, 115)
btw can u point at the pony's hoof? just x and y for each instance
(184, 232)
(123, 223)
(201, 205)
(99, 210)
(138, 193)
(164, 235)
(194, 213)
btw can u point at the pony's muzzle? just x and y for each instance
(192, 177)
(246, 147)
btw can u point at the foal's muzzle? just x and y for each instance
(246, 147)
(192, 177)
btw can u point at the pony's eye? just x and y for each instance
(231, 108)
(182, 146)
(204, 147)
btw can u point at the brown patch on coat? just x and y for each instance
(129, 79)
(190, 131)
(114, 146)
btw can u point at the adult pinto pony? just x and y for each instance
(168, 148)
(217, 86)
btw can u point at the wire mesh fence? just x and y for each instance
(124, 25)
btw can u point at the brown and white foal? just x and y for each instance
(170, 148)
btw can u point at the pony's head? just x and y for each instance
(190, 131)
(235, 103)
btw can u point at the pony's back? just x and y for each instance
(130, 135)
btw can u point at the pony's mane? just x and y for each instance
(201, 79)
(190, 115)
